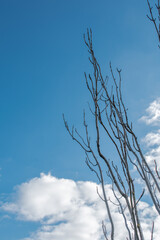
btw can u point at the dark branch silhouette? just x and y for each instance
(111, 123)
(155, 19)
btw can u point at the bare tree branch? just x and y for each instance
(154, 20)
(111, 122)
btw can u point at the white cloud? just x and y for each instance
(153, 113)
(69, 210)
(152, 141)
(43, 197)
(152, 138)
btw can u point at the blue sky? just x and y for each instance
(43, 59)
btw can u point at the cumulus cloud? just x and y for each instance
(153, 113)
(70, 210)
(67, 209)
(152, 138)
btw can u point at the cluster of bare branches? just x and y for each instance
(111, 122)
(153, 19)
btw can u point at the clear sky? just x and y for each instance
(42, 64)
